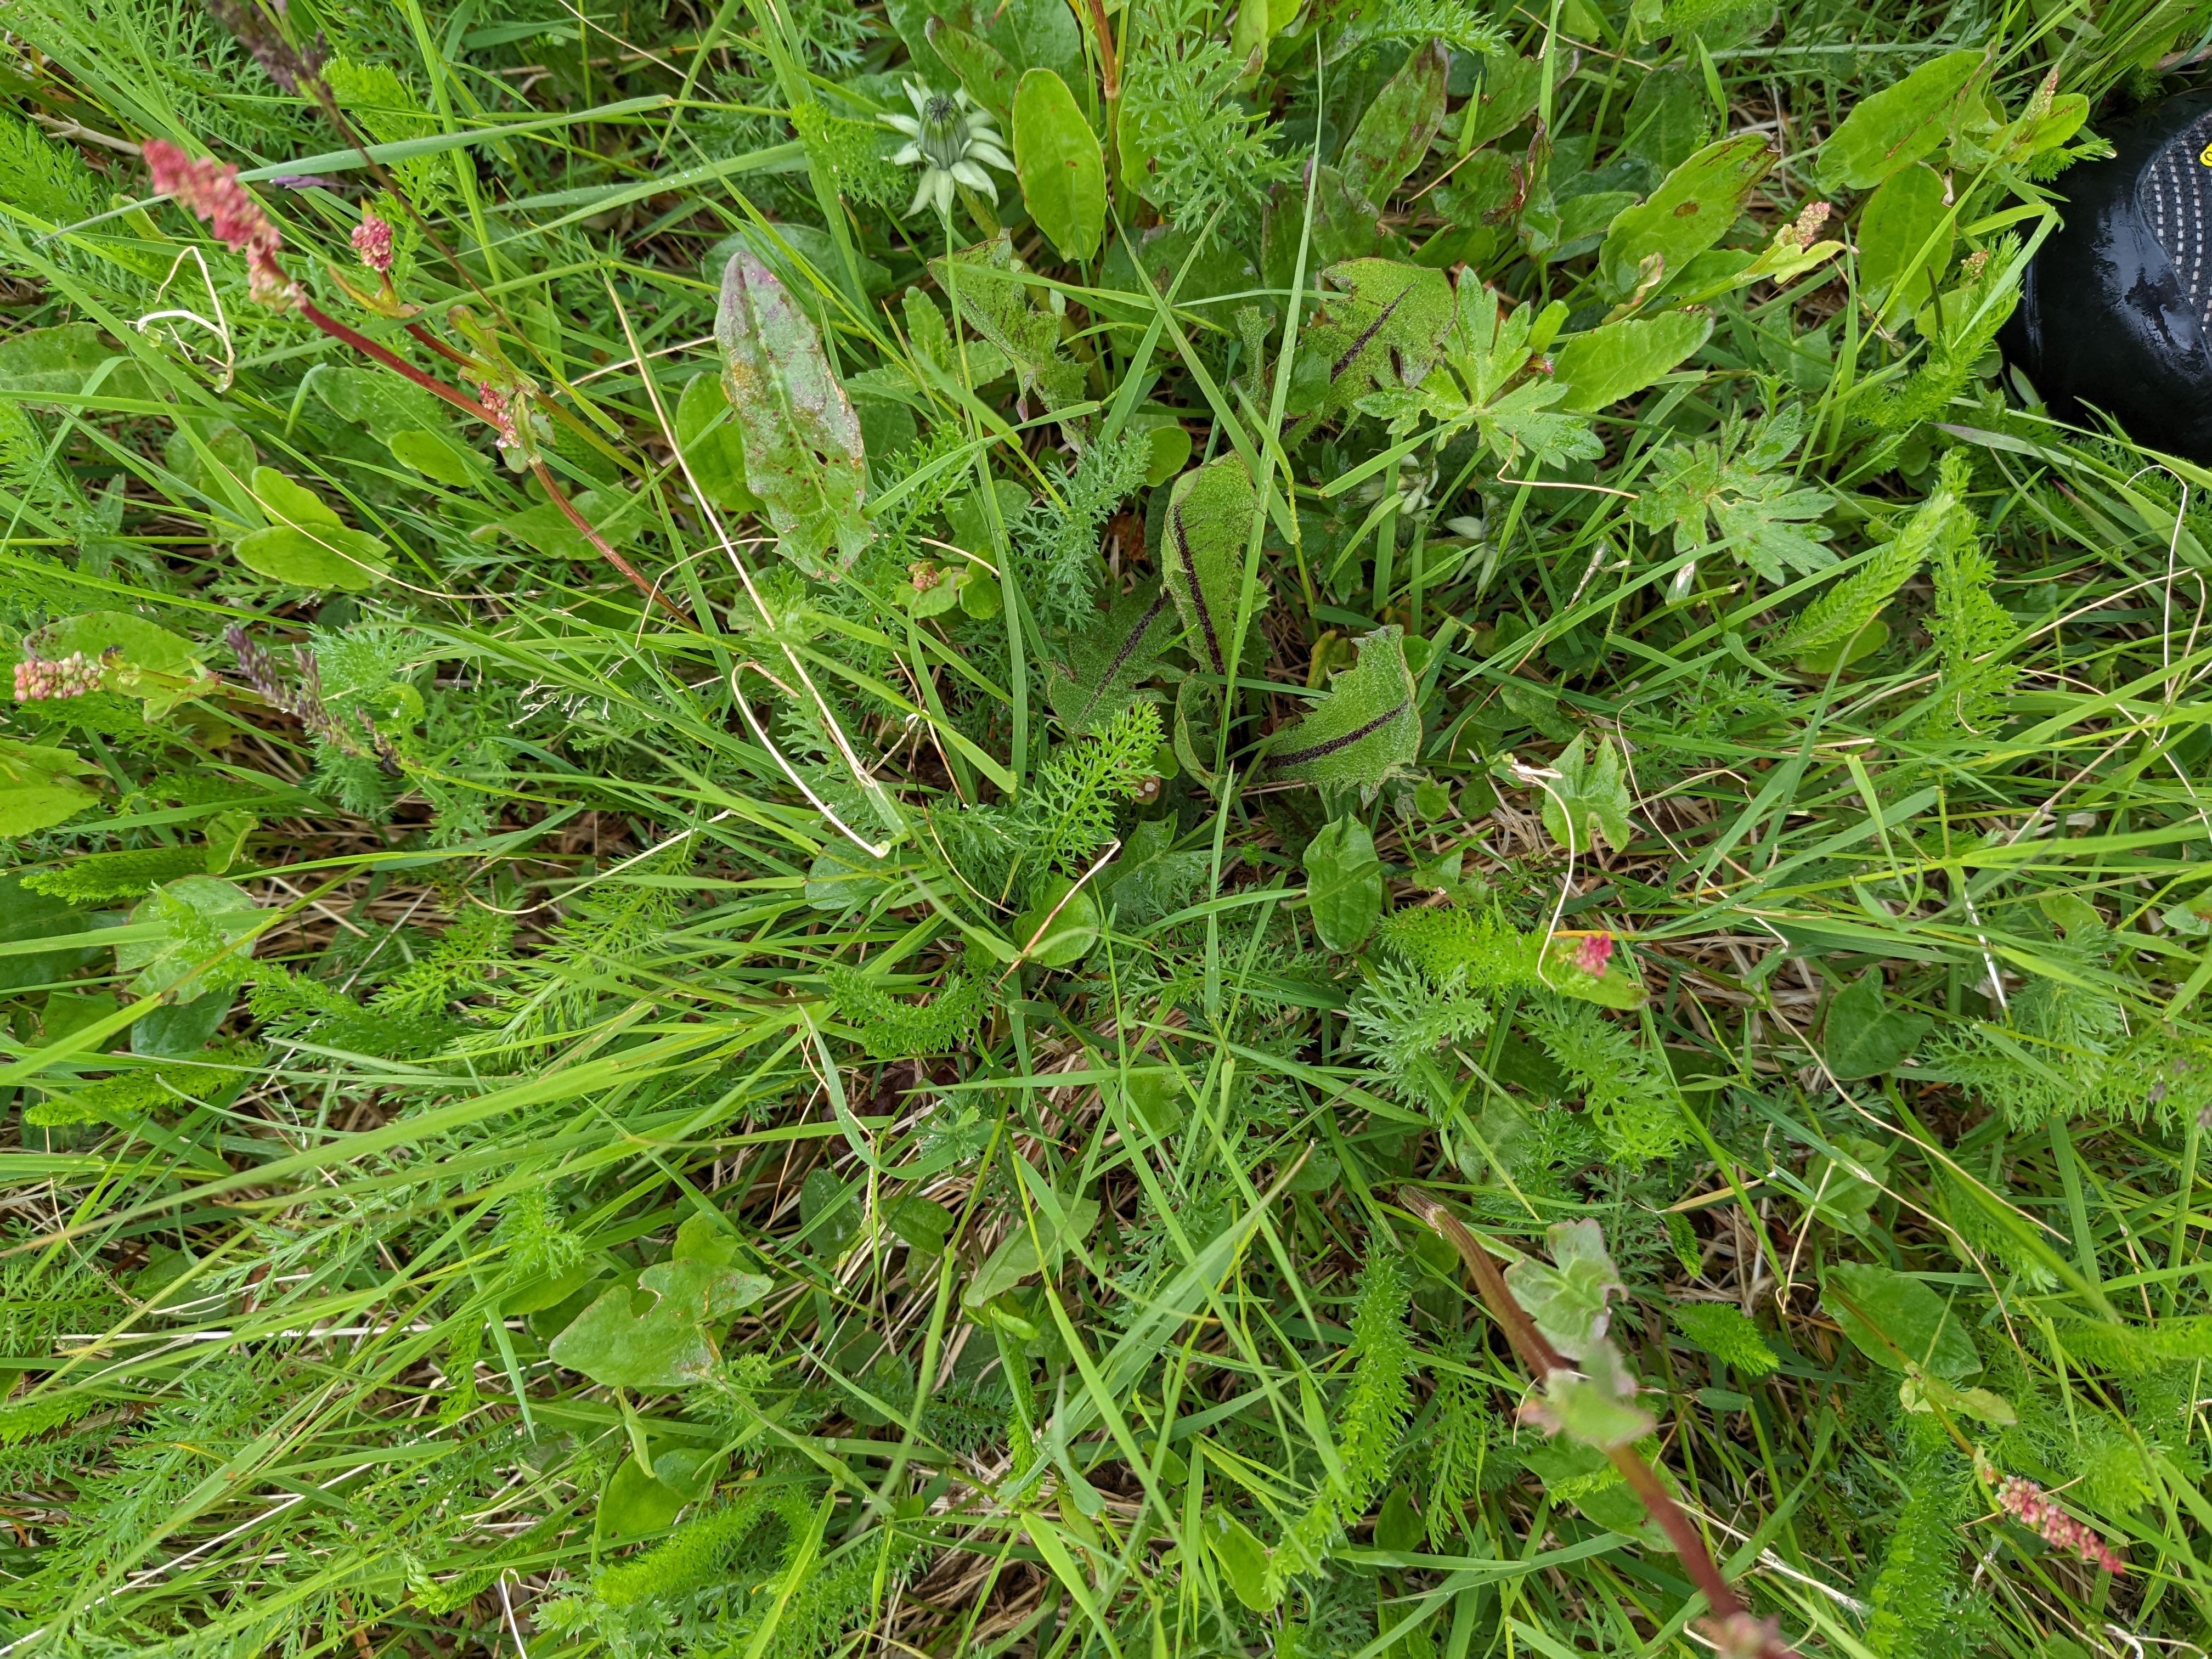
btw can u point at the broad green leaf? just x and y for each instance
(1669, 119)
(1863, 1036)
(804, 456)
(1155, 1095)
(1618, 360)
(198, 916)
(1589, 800)
(924, 1225)
(548, 530)
(1888, 133)
(63, 361)
(658, 1335)
(374, 398)
(1923, 1392)
(1381, 328)
(1344, 883)
(39, 787)
(1511, 87)
(1898, 1321)
(1367, 731)
(1060, 166)
(1150, 880)
(437, 455)
(1242, 1558)
(1843, 1190)
(1209, 522)
(1393, 136)
(1170, 441)
(829, 1214)
(1018, 1254)
(982, 70)
(325, 557)
(306, 543)
(1098, 675)
(1059, 930)
(1345, 226)
(995, 301)
(1590, 1414)
(1568, 1296)
(714, 445)
(26, 915)
(1690, 212)
(1905, 241)
(634, 1503)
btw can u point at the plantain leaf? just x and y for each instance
(1106, 663)
(1062, 170)
(1393, 136)
(1202, 550)
(803, 457)
(1366, 730)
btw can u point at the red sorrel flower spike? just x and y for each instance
(372, 239)
(503, 414)
(41, 678)
(2034, 1508)
(212, 191)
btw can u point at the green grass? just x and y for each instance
(829, 1069)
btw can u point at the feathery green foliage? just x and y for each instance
(898, 1013)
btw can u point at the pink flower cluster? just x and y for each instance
(502, 413)
(2030, 1506)
(212, 191)
(1807, 225)
(1593, 953)
(41, 678)
(372, 239)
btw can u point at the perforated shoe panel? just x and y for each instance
(2175, 197)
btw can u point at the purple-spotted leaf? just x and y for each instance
(1365, 731)
(1098, 675)
(804, 456)
(1209, 522)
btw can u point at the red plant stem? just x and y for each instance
(606, 549)
(369, 348)
(440, 346)
(1542, 1358)
(397, 365)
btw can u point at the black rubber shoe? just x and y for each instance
(2115, 311)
